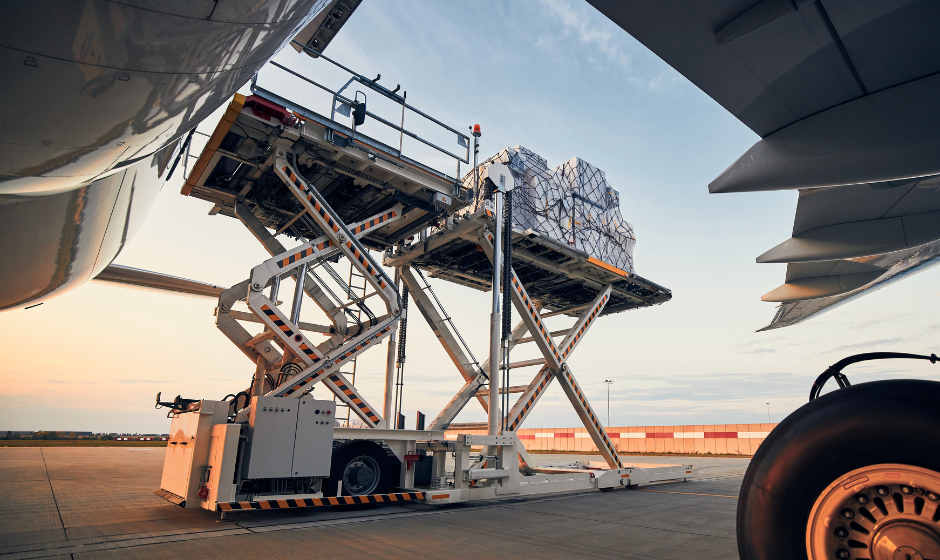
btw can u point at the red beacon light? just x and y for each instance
(476, 130)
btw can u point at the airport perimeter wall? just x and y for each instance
(715, 439)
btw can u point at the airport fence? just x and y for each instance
(712, 439)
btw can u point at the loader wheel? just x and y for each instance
(853, 474)
(364, 468)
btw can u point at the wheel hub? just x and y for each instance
(880, 512)
(904, 541)
(361, 475)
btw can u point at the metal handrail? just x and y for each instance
(463, 139)
(384, 91)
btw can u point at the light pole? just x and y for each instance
(608, 382)
(768, 413)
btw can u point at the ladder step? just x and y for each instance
(553, 333)
(566, 311)
(512, 389)
(357, 300)
(527, 363)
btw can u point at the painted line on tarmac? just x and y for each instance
(686, 493)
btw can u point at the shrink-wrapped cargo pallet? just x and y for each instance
(571, 203)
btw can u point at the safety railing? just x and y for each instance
(356, 109)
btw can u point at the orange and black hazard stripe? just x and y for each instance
(594, 314)
(278, 322)
(291, 503)
(362, 260)
(304, 253)
(373, 222)
(592, 416)
(535, 315)
(541, 382)
(332, 224)
(353, 397)
(285, 328)
(308, 351)
(318, 374)
(315, 376)
(365, 342)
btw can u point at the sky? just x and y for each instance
(556, 77)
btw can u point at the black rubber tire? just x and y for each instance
(345, 453)
(861, 425)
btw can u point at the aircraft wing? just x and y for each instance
(850, 240)
(156, 281)
(843, 94)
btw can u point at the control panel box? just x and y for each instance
(272, 425)
(313, 446)
(290, 437)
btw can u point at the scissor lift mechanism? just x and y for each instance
(410, 197)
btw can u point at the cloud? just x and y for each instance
(662, 82)
(881, 319)
(592, 32)
(760, 351)
(606, 44)
(869, 344)
(143, 380)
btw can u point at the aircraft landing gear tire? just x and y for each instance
(853, 474)
(364, 468)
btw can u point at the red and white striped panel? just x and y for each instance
(722, 439)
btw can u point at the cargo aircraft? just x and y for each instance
(100, 102)
(102, 98)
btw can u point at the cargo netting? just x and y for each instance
(572, 204)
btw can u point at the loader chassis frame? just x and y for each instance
(210, 441)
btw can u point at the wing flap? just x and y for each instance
(896, 266)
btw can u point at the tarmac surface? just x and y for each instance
(97, 502)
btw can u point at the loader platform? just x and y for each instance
(559, 246)
(563, 279)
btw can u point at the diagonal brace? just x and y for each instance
(555, 362)
(543, 378)
(471, 388)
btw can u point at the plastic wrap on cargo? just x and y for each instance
(571, 203)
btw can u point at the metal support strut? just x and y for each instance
(315, 363)
(495, 313)
(556, 360)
